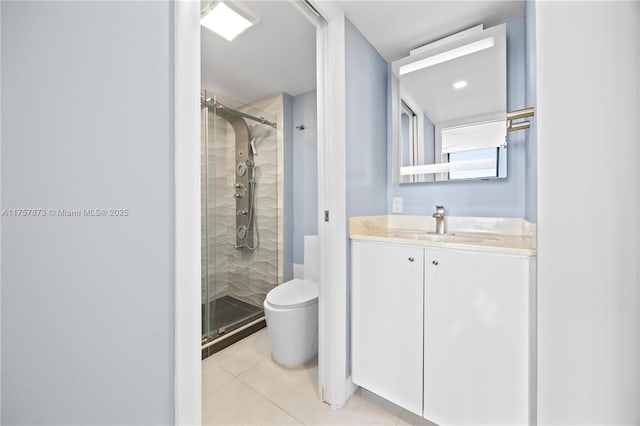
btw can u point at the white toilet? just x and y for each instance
(291, 311)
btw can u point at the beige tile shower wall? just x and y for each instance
(274, 105)
(243, 274)
(223, 262)
(221, 205)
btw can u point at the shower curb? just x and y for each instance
(233, 337)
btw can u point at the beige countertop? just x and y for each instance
(499, 235)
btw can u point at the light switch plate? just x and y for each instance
(397, 205)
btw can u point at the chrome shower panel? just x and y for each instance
(244, 177)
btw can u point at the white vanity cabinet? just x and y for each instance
(447, 335)
(476, 338)
(386, 321)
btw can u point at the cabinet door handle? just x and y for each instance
(435, 262)
(411, 259)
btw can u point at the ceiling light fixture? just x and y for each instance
(225, 21)
(447, 55)
(460, 84)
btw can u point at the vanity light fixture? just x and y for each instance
(228, 22)
(460, 84)
(447, 55)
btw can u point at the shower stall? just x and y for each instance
(240, 181)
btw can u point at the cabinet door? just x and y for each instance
(386, 321)
(476, 359)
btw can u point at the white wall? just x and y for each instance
(87, 302)
(587, 118)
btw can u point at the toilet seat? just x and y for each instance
(293, 294)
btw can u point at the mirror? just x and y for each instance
(449, 108)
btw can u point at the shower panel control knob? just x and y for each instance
(238, 185)
(237, 195)
(242, 212)
(241, 231)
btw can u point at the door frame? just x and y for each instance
(187, 352)
(335, 381)
(335, 384)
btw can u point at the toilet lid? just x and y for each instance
(293, 293)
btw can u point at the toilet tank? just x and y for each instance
(311, 258)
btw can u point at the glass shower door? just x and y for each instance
(240, 238)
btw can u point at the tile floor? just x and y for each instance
(242, 385)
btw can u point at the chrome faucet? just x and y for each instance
(439, 217)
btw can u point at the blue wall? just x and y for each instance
(304, 150)
(531, 184)
(88, 302)
(495, 198)
(367, 81)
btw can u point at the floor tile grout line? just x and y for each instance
(229, 351)
(209, 394)
(241, 372)
(249, 384)
(259, 394)
(225, 369)
(397, 418)
(269, 399)
(286, 411)
(241, 377)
